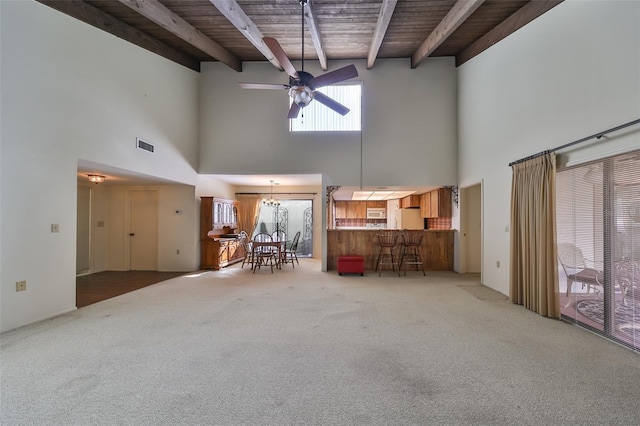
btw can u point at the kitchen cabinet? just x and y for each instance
(341, 209)
(380, 204)
(436, 203)
(411, 202)
(357, 210)
(351, 209)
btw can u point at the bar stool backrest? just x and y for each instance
(412, 238)
(387, 239)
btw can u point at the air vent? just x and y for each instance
(144, 145)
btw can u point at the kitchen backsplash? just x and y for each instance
(439, 223)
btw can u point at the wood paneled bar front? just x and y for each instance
(436, 248)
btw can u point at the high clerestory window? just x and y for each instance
(317, 117)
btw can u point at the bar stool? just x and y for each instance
(411, 250)
(387, 242)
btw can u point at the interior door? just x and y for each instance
(471, 224)
(143, 230)
(83, 231)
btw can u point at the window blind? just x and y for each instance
(598, 213)
(317, 117)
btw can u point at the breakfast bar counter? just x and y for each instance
(436, 248)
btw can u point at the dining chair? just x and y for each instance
(248, 250)
(290, 253)
(263, 255)
(279, 236)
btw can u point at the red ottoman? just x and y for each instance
(351, 264)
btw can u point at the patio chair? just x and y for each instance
(627, 277)
(576, 269)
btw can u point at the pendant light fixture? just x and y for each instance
(271, 202)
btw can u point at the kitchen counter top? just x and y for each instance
(387, 229)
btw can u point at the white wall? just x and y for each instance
(72, 92)
(571, 73)
(176, 231)
(409, 135)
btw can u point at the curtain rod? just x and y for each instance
(596, 135)
(276, 193)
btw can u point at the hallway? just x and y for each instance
(93, 288)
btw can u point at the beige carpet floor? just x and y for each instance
(304, 347)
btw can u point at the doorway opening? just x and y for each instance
(471, 229)
(83, 231)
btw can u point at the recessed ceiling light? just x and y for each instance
(361, 195)
(379, 195)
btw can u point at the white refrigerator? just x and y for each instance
(398, 218)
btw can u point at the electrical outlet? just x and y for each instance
(55, 227)
(497, 263)
(21, 285)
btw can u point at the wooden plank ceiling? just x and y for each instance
(230, 31)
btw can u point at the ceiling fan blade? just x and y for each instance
(282, 57)
(264, 86)
(294, 110)
(336, 76)
(325, 100)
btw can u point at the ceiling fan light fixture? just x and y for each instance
(301, 95)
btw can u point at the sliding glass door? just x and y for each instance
(598, 235)
(290, 217)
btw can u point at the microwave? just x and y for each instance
(376, 213)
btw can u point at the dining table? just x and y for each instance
(279, 245)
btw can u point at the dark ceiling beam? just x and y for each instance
(99, 19)
(158, 13)
(517, 20)
(386, 12)
(312, 25)
(456, 16)
(234, 14)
